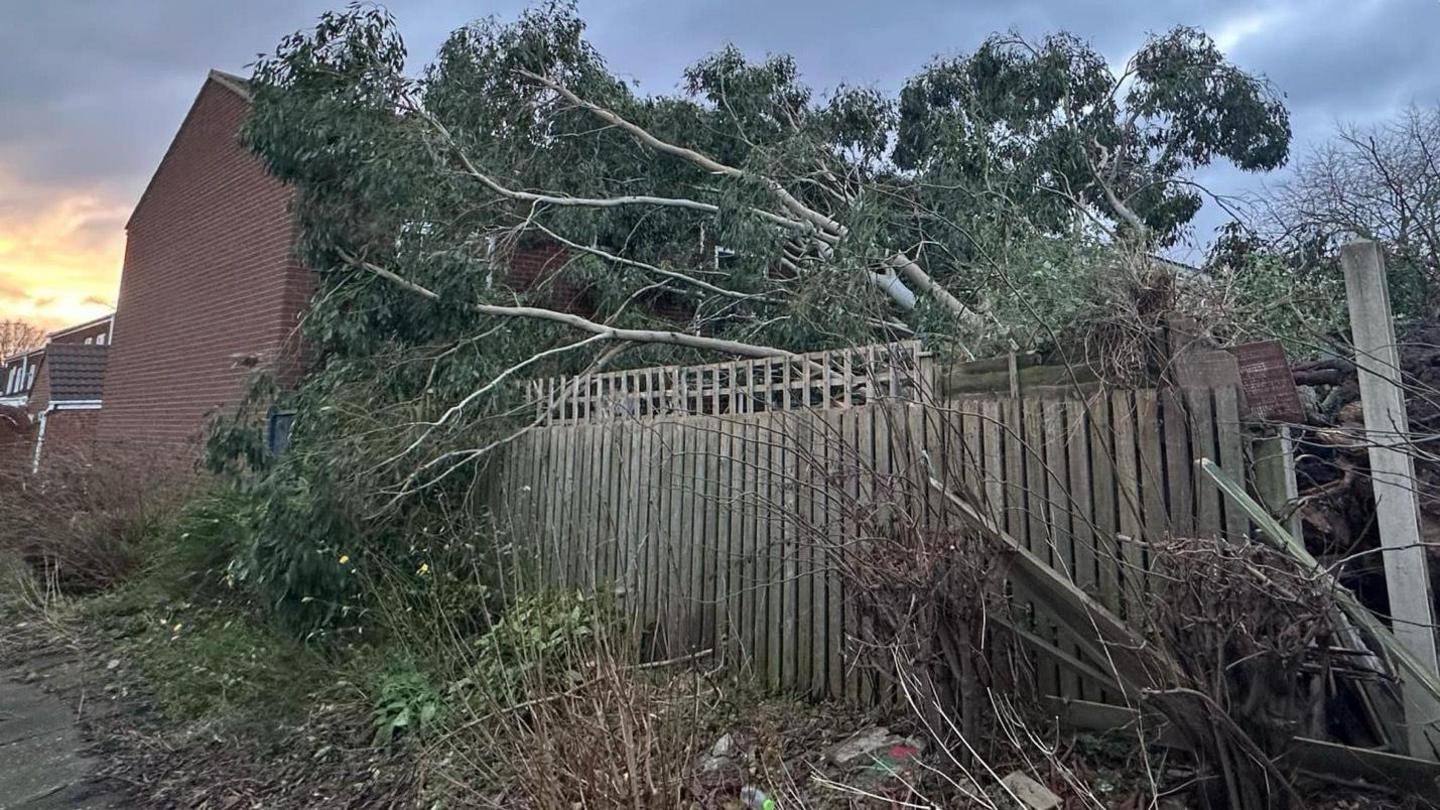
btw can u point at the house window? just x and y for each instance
(277, 431)
(100, 339)
(30, 381)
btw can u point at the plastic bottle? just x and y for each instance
(756, 799)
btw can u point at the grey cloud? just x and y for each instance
(92, 92)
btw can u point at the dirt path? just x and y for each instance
(43, 765)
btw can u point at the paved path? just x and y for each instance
(42, 764)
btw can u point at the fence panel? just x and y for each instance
(729, 528)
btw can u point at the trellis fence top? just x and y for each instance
(828, 379)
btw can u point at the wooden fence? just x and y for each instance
(838, 378)
(729, 529)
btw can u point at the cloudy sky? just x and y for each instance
(91, 92)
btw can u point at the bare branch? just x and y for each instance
(584, 324)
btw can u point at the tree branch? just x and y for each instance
(578, 322)
(659, 271)
(827, 229)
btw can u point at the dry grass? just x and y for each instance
(623, 738)
(83, 518)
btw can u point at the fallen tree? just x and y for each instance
(746, 215)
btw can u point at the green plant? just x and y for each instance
(305, 530)
(406, 702)
(203, 663)
(196, 553)
(542, 642)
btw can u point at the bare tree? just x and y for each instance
(19, 336)
(1379, 182)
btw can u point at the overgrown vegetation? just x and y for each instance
(84, 520)
(1009, 199)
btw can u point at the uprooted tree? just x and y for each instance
(985, 207)
(1005, 198)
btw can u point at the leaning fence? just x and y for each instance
(719, 504)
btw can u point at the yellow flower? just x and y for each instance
(344, 558)
(423, 569)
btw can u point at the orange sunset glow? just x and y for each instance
(60, 261)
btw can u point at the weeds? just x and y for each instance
(203, 665)
(84, 518)
(594, 727)
(406, 702)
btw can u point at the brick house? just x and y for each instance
(211, 289)
(53, 391)
(66, 398)
(18, 373)
(96, 332)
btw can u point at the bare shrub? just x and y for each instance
(84, 516)
(1259, 655)
(586, 725)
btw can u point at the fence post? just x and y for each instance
(1387, 430)
(1274, 471)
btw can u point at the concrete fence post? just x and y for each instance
(1387, 434)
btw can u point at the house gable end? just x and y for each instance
(217, 87)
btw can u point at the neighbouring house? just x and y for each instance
(211, 290)
(18, 373)
(17, 376)
(211, 293)
(97, 332)
(53, 391)
(66, 400)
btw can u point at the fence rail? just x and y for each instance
(729, 529)
(836, 378)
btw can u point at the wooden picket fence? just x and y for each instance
(727, 529)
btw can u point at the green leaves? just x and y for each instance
(406, 703)
(1045, 122)
(984, 172)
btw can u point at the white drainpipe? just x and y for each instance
(40, 438)
(72, 405)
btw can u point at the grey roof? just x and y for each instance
(76, 370)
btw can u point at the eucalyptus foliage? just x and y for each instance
(972, 211)
(1049, 128)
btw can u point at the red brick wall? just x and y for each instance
(70, 433)
(534, 264)
(210, 277)
(17, 437)
(539, 263)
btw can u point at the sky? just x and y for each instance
(92, 92)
